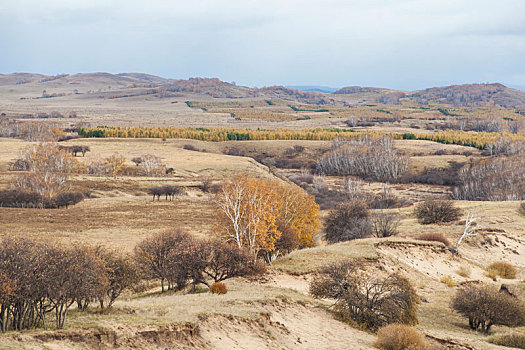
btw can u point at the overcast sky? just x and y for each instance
(403, 44)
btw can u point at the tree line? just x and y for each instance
(40, 278)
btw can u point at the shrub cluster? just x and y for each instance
(39, 278)
(178, 259)
(169, 191)
(348, 221)
(436, 211)
(17, 198)
(371, 303)
(485, 306)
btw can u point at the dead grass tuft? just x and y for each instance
(400, 337)
(501, 269)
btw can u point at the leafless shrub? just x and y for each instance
(220, 260)
(486, 306)
(436, 211)
(348, 221)
(74, 150)
(367, 157)
(385, 224)
(111, 165)
(371, 303)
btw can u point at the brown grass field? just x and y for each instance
(275, 311)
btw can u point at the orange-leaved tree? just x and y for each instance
(249, 210)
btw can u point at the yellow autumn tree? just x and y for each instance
(248, 210)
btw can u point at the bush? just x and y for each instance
(502, 269)
(370, 302)
(486, 306)
(218, 288)
(385, 224)
(65, 199)
(436, 211)
(434, 237)
(348, 221)
(400, 337)
(509, 340)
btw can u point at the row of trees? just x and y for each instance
(30, 131)
(365, 156)
(17, 198)
(75, 149)
(266, 216)
(494, 179)
(39, 277)
(170, 191)
(457, 137)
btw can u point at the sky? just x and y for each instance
(401, 44)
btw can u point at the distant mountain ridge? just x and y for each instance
(126, 85)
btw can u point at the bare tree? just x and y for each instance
(152, 165)
(365, 156)
(468, 231)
